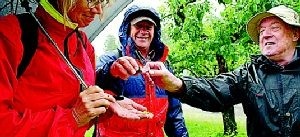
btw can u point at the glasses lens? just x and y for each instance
(93, 3)
(104, 3)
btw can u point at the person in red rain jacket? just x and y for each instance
(139, 35)
(47, 100)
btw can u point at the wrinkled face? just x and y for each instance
(276, 38)
(142, 34)
(83, 12)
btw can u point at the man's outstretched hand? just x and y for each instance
(129, 109)
(162, 77)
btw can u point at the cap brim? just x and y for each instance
(145, 13)
(139, 19)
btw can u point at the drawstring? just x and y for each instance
(66, 47)
(143, 59)
(66, 52)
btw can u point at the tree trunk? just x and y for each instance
(230, 127)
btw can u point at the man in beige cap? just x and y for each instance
(268, 87)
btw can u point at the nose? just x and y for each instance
(144, 30)
(97, 9)
(266, 34)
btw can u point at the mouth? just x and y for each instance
(142, 38)
(269, 43)
(90, 18)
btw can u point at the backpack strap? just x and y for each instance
(29, 39)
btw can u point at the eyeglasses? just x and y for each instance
(93, 3)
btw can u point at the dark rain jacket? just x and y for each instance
(270, 95)
(167, 110)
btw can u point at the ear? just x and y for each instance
(296, 34)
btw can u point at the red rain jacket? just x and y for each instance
(38, 103)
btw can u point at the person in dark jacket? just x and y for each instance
(139, 35)
(268, 87)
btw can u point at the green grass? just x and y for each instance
(210, 125)
(206, 124)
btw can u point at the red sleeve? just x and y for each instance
(56, 122)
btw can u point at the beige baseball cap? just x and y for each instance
(288, 15)
(138, 19)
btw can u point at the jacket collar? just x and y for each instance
(56, 15)
(265, 64)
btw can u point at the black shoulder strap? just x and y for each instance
(29, 39)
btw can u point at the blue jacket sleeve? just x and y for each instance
(103, 77)
(175, 124)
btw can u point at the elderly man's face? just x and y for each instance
(276, 39)
(142, 34)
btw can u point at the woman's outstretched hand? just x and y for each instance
(129, 109)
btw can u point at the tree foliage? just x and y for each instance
(110, 43)
(198, 34)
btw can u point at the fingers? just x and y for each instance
(94, 93)
(129, 114)
(124, 67)
(147, 115)
(91, 103)
(94, 112)
(136, 115)
(118, 71)
(129, 109)
(138, 107)
(154, 66)
(155, 69)
(162, 77)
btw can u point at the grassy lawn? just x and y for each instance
(206, 124)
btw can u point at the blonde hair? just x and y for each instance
(66, 6)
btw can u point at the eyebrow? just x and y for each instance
(276, 22)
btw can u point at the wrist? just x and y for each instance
(77, 118)
(178, 85)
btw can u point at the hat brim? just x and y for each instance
(253, 23)
(146, 13)
(139, 19)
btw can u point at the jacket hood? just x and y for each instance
(127, 44)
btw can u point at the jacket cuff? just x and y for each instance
(184, 93)
(64, 124)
